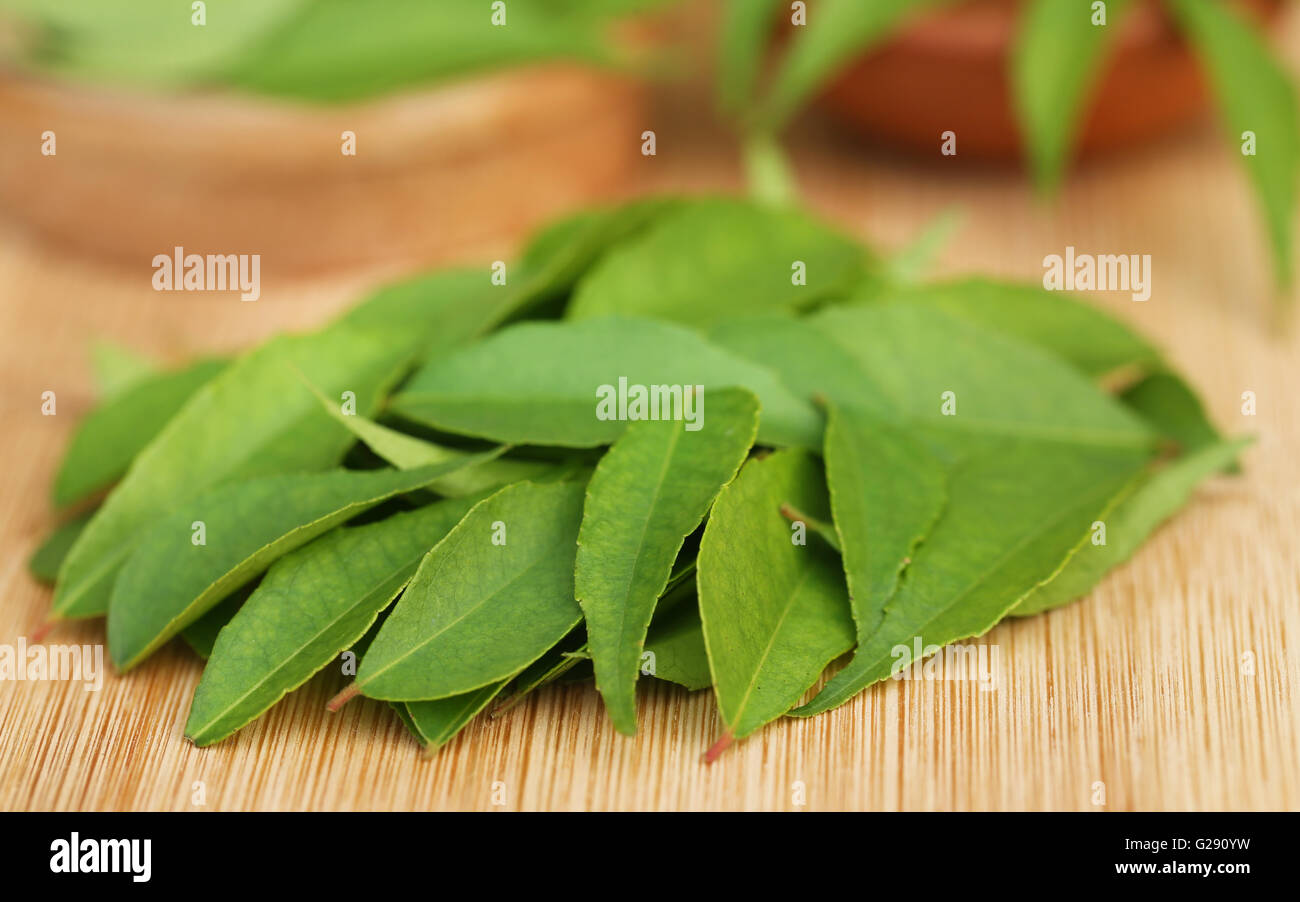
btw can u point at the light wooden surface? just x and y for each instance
(1140, 686)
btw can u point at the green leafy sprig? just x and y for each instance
(422, 496)
(1058, 54)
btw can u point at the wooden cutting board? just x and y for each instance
(1139, 692)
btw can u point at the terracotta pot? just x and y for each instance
(949, 71)
(478, 160)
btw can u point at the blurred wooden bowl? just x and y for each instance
(435, 171)
(950, 71)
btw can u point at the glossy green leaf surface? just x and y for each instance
(775, 612)
(887, 490)
(111, 435)
(171, 578)
(492, 597)
(1256, 100)
(1138, 514)
(256, 418)
(540, 383)
(649, 492)
(1058, 55)
(711, 260)
(313, 604)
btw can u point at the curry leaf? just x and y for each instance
(1136, 516)
(650, 491)
(805, 358)
(913, 367)
(775, 612)
(437, 722)
(710, 260)
(313, 603)
(110, 437)
(1258, 102)
(1058, 55)
(540, 383)
(1017, 509)
(953, 378)
(253, 419)
(486, 602)
(436, 311)
(572, 651)
(558, 256)
(258, 417)
(1168, 403)
(201, 635)
(244, 527)
(676, 642)
(1093, 342)
(558, 661)
(746, 34)
(153, 42)
(338, 50)
(48, 557)
(836, 32)
(408, 452)
(887, 491)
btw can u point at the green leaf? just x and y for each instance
(558, 661)
(145, 42)
(1017, 509)
(338, 50)
(46, 560)
(313, 604)
(1168, 403)
(1137, 515)
(436, 311)
(1056, 61)
(256, 418)
(437, 722)
(170, 581)
(775, 613)
(560, 254)
(1255, 95)
(910, 356)
(116, 366)
(111, 435)
(808, 362)
(201, 635)
(540, 383)
(746, 34)
(478, 612)
(1095, 343)
(714, 259)
(887, 491)
(677, 643)
(572, 650)
(650, 491)
(399, 708)
(836, 33)
(407, 452)
(1039, 452)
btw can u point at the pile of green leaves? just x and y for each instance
(1058, 55)
(877, 461)
(310, 50)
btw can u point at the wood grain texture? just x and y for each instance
(1140, 686)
